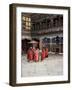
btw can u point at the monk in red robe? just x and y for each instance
(46, 52)
(33, 49)
(30, 55)
(43, 54)
(36, 55)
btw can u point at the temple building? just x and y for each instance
(46, 29)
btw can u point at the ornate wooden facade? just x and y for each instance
(44, 28)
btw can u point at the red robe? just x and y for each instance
(30, 55)
(33, 52)
(46, 52)
(43, 55)
(36, 56)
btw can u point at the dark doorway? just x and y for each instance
(25, 46)
(57, 50)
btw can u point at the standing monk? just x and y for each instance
(46, 52)
(33, 49)
(43, 54)
(30, 55)
(36, 55)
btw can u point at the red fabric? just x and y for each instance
(33, 52)
(46, 52)
(36, 56)
(30, 55)
(43, 55)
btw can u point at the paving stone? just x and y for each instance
(53, 65)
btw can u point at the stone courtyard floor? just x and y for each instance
(53, 65)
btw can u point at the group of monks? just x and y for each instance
(33, 54)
